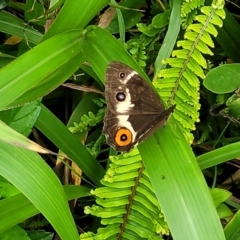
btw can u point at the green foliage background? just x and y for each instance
(159, 188)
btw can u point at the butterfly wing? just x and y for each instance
(140, 97)
(139, 128)
(134, 110)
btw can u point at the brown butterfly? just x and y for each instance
(134, 110)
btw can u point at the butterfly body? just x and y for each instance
(134, 110)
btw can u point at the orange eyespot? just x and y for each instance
(123, 137)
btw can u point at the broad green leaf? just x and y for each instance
(78, 13)
(31, 175)
(10, 136)
(22, 119)
(180, 186)
(16, 232)
(219, 155)
(170, 38)
(34, 66)
(14, 26)
(223, 79)
(18, 208)
(51, 81)
(232, 230)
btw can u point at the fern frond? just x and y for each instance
(189, 5)
(137, 48)
(189, 10)
(88, 120)
(201, 46)
(186, 66)
(127, 204)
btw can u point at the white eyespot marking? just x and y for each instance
(129, 77)
(126, 105)
(123, 122)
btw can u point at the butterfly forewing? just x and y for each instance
(144, 98)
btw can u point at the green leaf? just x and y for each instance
(18, 208)
(223, 79)
(22, 119)
(131, 17)
(14, 26)
(52, 128)
(233, 106)
(224, 211)
(161, 20)
(219, 196)
(230, 33)
(232, 230)
(10, 136)
(180, 186)
(28, 172)
(34, 67)
(3, 4)
(219, 155)
(170, 38)
(78, 14)
(16, 232)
